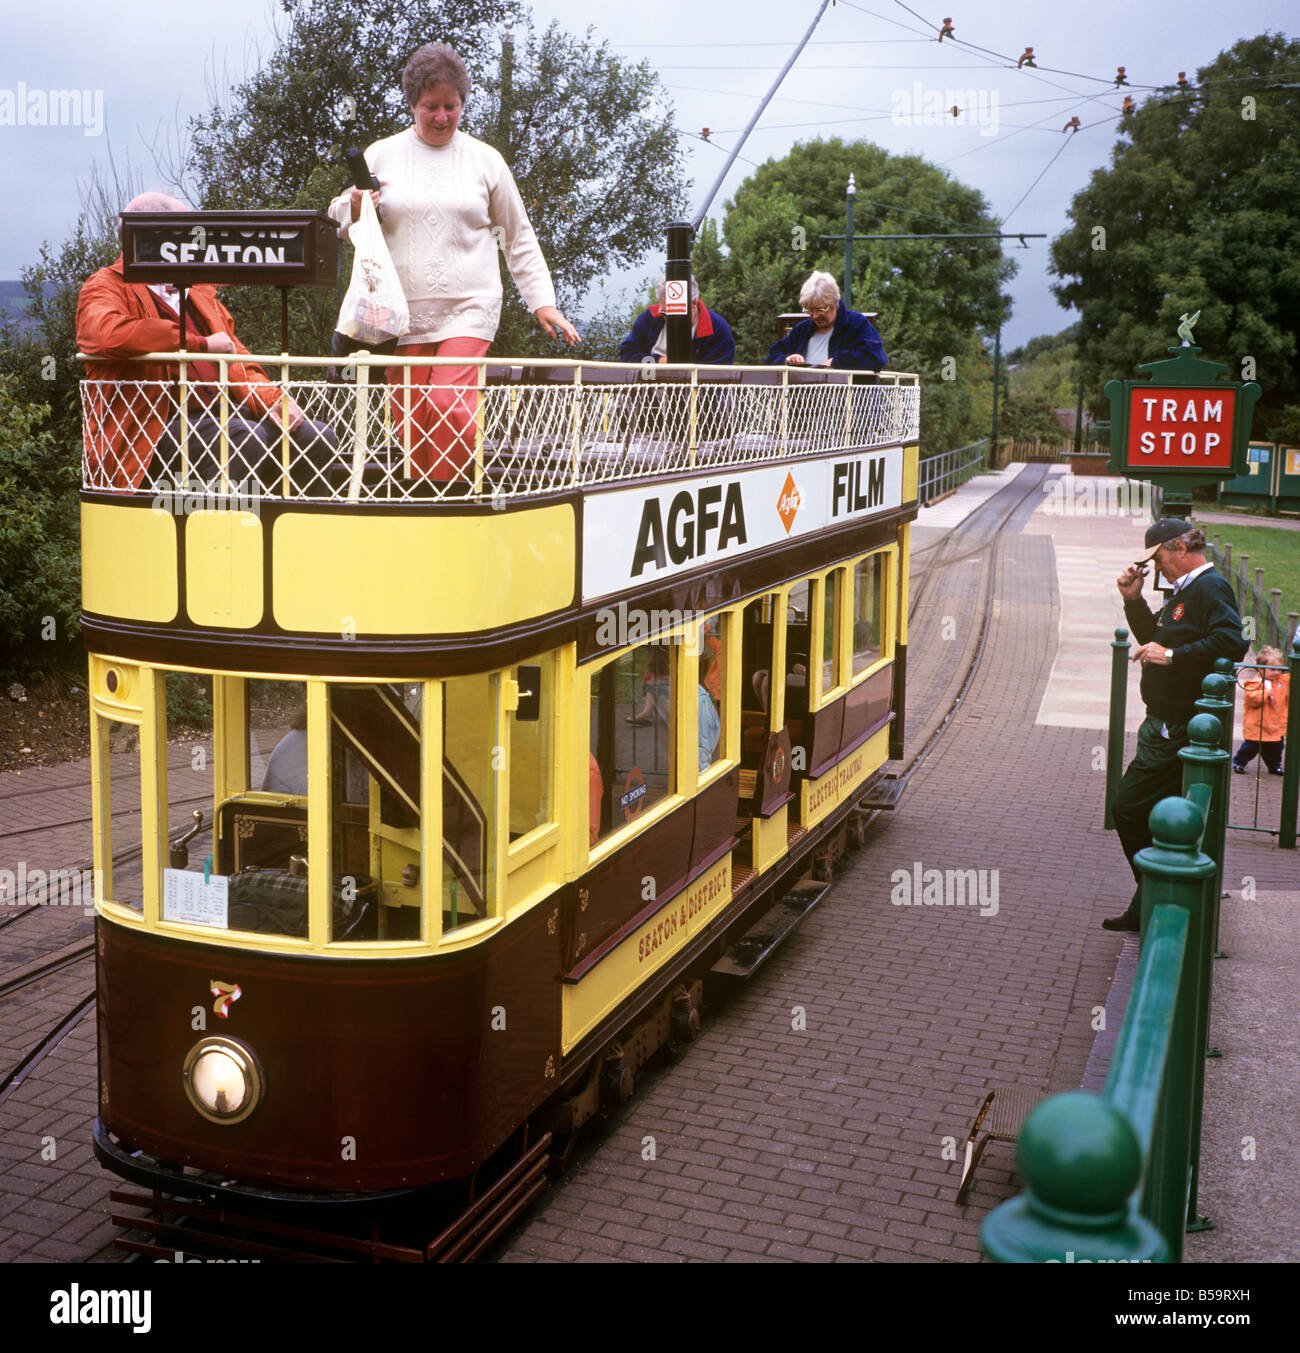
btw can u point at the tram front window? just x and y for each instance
(471, 769)
(375, 810)
(119, 801)
(188, 767)
(633, 703)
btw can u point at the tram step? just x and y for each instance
(760, 941)
(884, 794)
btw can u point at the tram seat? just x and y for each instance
(274, 902)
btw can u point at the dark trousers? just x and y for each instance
(1270, 751)
(1155, 773)
(253, 458)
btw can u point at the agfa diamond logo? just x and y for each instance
(788, 503)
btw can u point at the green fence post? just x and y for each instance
(1205, 764)
(1175, 871)
(1291, 755)
(1227, 669)
(1081, 1162)
(1115, 734)
(1216, 701)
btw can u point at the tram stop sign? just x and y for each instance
(1183, 426)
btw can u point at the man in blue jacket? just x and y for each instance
(711, 340)
(832, 335)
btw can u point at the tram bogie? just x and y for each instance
(490, 781)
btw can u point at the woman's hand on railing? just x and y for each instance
(221, 342)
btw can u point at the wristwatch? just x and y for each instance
(1169, 655)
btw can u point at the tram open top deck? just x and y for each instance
(587, 483)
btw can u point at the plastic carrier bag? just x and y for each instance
(374, 309)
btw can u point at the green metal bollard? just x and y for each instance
(1115, 733)
(1291, 755)
(1175, 874)
(1082, 1163)
(1225, 668)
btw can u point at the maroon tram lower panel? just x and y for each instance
(378, 1074)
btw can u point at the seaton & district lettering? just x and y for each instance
(696, 903)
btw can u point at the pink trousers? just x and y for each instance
(444, 405)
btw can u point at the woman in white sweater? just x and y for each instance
(449, 201)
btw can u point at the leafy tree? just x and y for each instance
(588, 136)
(40, 595)
(1197, 212)
(932, 296)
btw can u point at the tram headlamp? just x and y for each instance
(222, 1079)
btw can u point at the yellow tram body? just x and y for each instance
(566, 727)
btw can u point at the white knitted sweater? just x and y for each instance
(444, 209)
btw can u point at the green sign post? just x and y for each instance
(1181, 426)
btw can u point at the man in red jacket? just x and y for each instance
(131, 413)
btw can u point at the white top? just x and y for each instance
(1187, 577)
(819, 348)
(444, 209)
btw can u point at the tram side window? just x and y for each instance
(375, 810)
(831, 632)
(277, 736)
(633, 703)
(532, 747)
(470, 779)
(711, 691)
(188, 751)
(119, 790)
(868, 589)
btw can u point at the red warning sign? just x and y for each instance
(675, 298)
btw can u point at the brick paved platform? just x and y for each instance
(810, 1121)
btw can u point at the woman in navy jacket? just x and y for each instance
(832, 335)
(711, 340)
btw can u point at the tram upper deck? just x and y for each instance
(579, 483)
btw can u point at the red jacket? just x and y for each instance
(122, 423)
(1263, 717)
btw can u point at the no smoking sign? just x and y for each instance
(675, 302)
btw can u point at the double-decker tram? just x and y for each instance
(452, 775)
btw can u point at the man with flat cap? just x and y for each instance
(1178, 648)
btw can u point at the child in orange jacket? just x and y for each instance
(1263, 719)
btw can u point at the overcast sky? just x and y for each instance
(150, 64)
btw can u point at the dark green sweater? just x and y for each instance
(1200, 623)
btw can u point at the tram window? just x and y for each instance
(277, 736)
(119, 789)
(756, 645)
(470, 775)
(711, 691)
(868, 588)
(189, 771)
(633, 700)
(831, 632)
(375, 802)
(532, 751)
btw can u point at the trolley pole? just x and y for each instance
(678, 269)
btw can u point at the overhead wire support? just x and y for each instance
(767, 98)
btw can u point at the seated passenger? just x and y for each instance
(286, 767)
(658, 691)
(710, 721)
(132, 425)
(832, 335)
(711, 340)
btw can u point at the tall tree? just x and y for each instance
(1198, 212)
(587, 134)
(931, 296)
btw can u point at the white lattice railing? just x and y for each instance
(513, 431)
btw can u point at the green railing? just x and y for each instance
(1115, 1177)
(949, 469)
